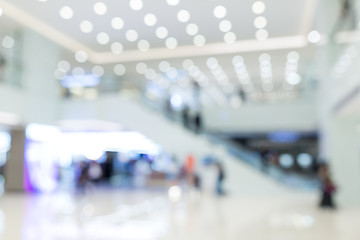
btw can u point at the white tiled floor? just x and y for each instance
(144, 215)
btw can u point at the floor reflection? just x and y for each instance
(146, 215)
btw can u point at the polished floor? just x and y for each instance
(151, 215)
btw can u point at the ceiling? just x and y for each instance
(286, 29)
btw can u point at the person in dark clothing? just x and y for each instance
(242, 95)
(198, 122)
(185, 116)
(220, 179)
(107, 166)
(328, 189)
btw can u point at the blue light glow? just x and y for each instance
(88, 80)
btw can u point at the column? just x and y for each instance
(14, 168)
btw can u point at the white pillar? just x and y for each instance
(345, 160)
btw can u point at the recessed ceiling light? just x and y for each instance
(117, 23)
(220, 11)
(260, 22)
(161, 32)
(225, 26)
(8, 42)
(143, 45)
(150, 74)
(192, 29)
(86, 26)
(258, 7)
(237, 60)
(136, 5)
(103, 38)
(230, 38)
(314, 37)
(199, 40)
(171, 43)
(119, 69)
(66, 12)
(293, 56)
(188, 63)
(293, 79)
(98, 71)
(171, 73)
(164, 66)
(100, 8)
(117, 48)
(131, 35)
(150, 19)
(264, 57)
(194, 71)
(81, 56)
(212, 62)
(78, 72)
(183, 16)
(262, 34)
(63, 66)
(173, 2)
(141, 68)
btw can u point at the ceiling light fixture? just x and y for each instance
(220, 11)
(262, 34)
(293, 56)
(192, 29)
(314, 37)
(258, 7)
(103, 38)
(136, 5)
(81, 56)
(230, 38)
(183, 16)
(199, 40)
(264, 58)
(119, 69)
(150, 74)
(98, 71)
(100, 8)
(131, 35)
(150, 19)
(63, 66)
(8, 42)
(225, 26)
(260, 22)
(164, 66)
(117, 23)
(86, 26)
(141, 68)
(293, 79)
(117, 48)
(143, 45)
(187, 64)
(173, 2)
(171, 43)
(161, 32)
(78, 72)
(66, 12)
(212, 62)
